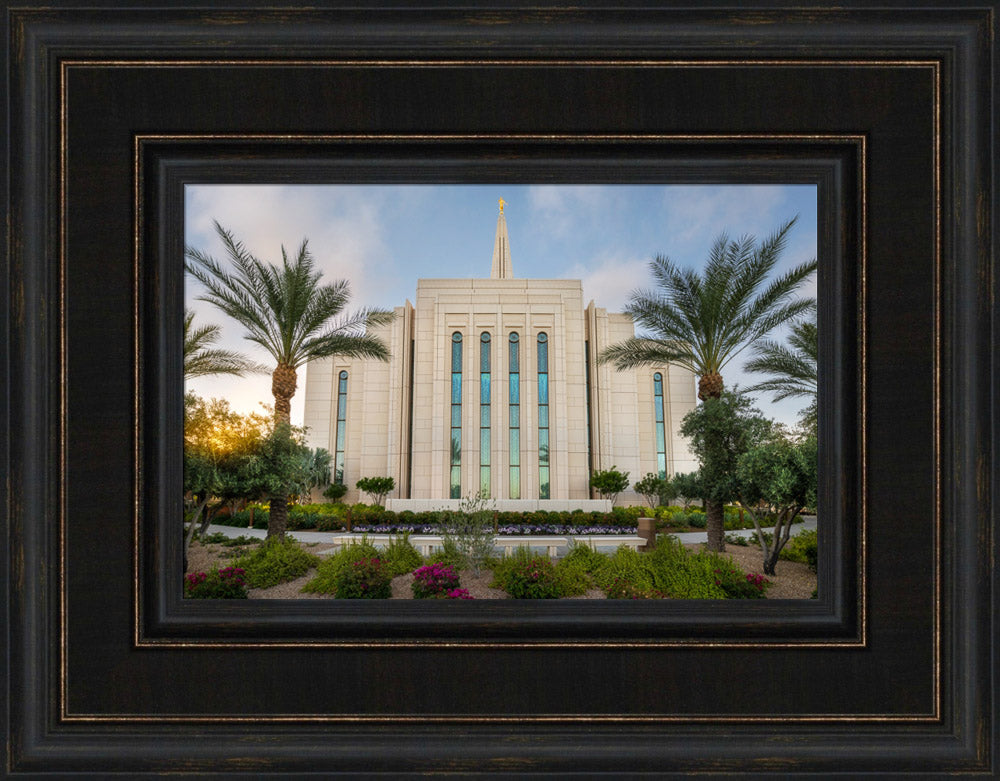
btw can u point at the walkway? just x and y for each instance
(808, 523)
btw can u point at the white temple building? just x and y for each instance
(493, 386)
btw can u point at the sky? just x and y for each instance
(382, 238)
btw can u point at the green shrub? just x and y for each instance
(623, 589)
(525, 575)
(575, 570)
(448, 553)
(233, 542)
(681, 574)
(325, 581)
(276, 562)
(363, 579)
(329, 523)
(697, 520)
(573, 576)
(733, 539)
(731, 519)
(624, 566)
(241, 518)
(400, 557)
(802, 548)
(226, 583)
(335, 491)
(590, 557)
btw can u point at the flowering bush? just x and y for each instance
(363, 579)
(227, 583)
(458, 593)
(740, 585)
(559, 528)
(328, 571)
(435, 581)
(516, 529)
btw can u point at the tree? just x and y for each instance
(653, 488)
(317, 466)
(470, 532)
(201, 360)
(702, 322)
(288, 313)
(609, 483)
(793, 368)
(687, 487)
(776, 480)
(335, 492)
(286, 463)
(221, 448)
(377, 487)
(720, 431)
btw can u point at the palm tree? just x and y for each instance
(792, 368)
(288, 313)
(200, 360)
(702, 322)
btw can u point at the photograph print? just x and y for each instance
(500, 391)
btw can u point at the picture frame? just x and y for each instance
(109, 109)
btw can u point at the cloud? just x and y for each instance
(345, 231)
(695, 215)
(609, 281)
(558, 212)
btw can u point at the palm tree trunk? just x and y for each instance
(714, 526)
(278, 518)
(710, 387)
(283, 384)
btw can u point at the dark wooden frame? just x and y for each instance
(102, 677)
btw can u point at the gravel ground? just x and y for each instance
(792, 580)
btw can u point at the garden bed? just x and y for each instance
(793, 580)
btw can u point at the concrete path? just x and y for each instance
(809, 522)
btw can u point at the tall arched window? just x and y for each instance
(456, 416)
(661, 439)
(543, 416)
(338, 463)
(514, 418)
(484, 415)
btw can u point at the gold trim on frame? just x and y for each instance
(859, 139)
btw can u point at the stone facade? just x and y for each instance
(397, 418)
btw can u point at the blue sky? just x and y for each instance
(384, 238)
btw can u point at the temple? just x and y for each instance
(494, 389)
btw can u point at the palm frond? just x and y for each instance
(643, 352)
(793, 370)
(284, 307)
(716, 314)
(200, 360)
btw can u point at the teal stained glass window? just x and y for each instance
(455, 491)
(661, 439)
(514, 416)
(338, 458)
(485, 489)
(543, 416)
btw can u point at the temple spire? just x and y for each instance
(502, 268)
